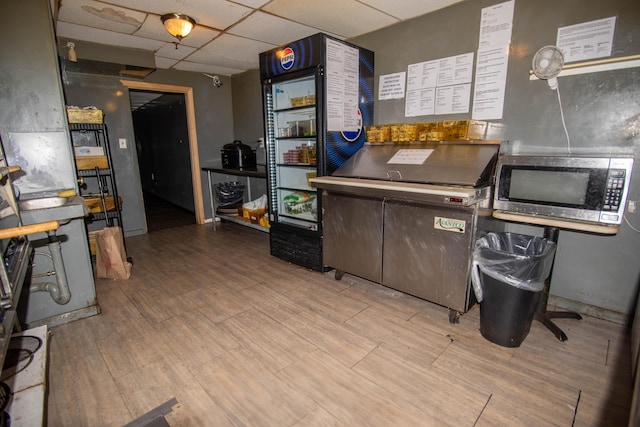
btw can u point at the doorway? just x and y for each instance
(161, 135)
(187, 92)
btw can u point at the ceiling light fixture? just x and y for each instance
(178, 25)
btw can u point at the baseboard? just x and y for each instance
(590, 310)
(61, 319)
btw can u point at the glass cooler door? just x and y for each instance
(291, 145)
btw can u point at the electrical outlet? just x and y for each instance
(123, 143)
(632, 206)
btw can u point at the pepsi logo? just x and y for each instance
(353, 136)
(287, 58)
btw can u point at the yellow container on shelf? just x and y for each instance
(385, 133)
(394, 133)
(310, 175)
(455, 130)
(297, 101)
(404, 132)
(427, 131)
(447, 128)
(372, 133)
(92, 242)
(378, 133)
(94, 203)
(256, 215)
(80, 115)
(301, 101)
(473, 129)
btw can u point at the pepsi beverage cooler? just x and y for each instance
(318, 97)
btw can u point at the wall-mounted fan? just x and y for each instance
(547, 64)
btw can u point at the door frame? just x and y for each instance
(191, 129)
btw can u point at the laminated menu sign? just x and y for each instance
(587, 40)
(342, 75)
(391, 86)
(492, 61)
(440, 86)
(410, 156)
(491, 76)
(496, 23)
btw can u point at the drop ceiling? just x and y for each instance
(229, 35)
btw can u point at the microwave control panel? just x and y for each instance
(615, 187)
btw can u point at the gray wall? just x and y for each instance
(33, 119)
(214, 127)
(33, 123)
(601, 110)
(248, 120)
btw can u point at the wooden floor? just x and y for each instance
(161, 214)
(240, 338)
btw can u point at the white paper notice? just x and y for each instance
(440, 86)
(496, 23)
(410, 157)
(420, 102)
(453, 99)
(342, 87)
(422, 75)
(455, 69)
(491, 75)
(391, 86)
(587, 40)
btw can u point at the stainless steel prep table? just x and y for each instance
(259, 172)
(406, 216)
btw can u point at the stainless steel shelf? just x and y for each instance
(242, 221)
(247, 173)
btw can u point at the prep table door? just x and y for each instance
(426, 254)
(352, 238)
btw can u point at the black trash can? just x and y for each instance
(508, 279)
(229, 196)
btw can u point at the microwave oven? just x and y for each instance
(592, 189)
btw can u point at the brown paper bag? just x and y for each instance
(111, 259)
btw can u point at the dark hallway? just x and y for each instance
(160, 126)
(161, 214)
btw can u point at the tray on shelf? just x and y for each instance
(95, 203)
(91, 162)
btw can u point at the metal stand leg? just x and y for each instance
(542, 315)
(211, 195)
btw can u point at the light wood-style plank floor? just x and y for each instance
(241, 338)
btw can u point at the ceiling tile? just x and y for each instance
(253, 3)
(79, 32)
(405, 9)
(169, 51)
(223, 61)
(99, 15)
(345, 18)
(235, 47)
(217, 14)
(165, 63)
(210, 69)
(271, 29)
